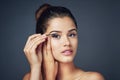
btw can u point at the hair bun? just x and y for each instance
(40, 10)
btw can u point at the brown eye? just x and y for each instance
(72, 35)
(56, 36)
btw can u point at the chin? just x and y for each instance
(65, 60)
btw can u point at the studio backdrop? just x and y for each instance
(98, 27)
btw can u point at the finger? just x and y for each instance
(31, 50)
(30, 42)
(49, 49)
(33, 36)
(40, 47)
(44, 49)
(37, 43)
(45, 55)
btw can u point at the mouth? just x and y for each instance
(67, 52)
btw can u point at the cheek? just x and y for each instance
(74, 43)
(55, 45)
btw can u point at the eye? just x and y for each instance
(72, 35)
(56, 36)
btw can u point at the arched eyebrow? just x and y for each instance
(61, 31)
(72, 30)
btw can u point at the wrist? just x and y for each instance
(36, 66)
(36, 69)
(35, 73)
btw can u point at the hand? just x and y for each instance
(33, 49)
(50, 65)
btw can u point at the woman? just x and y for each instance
(50, 52)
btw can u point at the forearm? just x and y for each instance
(36, 73)
(50, 76)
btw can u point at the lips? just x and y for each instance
(67, 52)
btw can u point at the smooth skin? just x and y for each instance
(57, 65)
(33, 52)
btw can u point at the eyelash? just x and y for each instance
(57, 36)
(72, 35)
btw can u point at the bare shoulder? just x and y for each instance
(27, 76)
(89, 75)
(94, 76)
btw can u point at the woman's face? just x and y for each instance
(63, 37)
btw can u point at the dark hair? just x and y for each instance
(40, 10)
(48, 13)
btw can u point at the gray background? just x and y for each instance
(99, 35)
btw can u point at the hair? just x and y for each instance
(47, 12)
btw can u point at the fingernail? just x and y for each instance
(44, 36)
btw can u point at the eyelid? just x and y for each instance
(49, 34)
(52, 33)
(73, 31)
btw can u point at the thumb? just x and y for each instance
(39, 51)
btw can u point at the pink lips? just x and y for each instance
(67, 52)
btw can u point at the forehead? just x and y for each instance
(60, 24)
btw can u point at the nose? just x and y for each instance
(66, 41)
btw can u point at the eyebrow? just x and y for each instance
(72, 30)
(61, 32)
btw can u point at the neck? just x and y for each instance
(65, 69)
